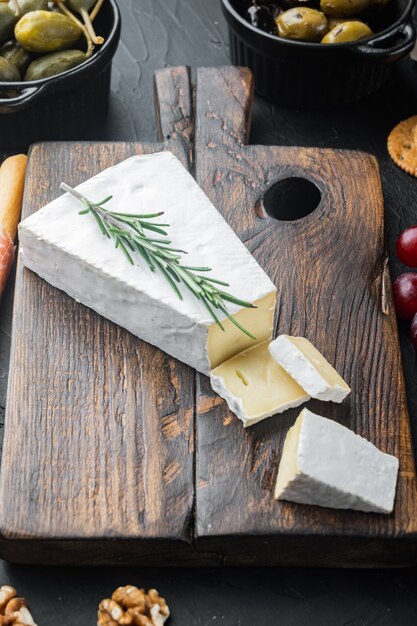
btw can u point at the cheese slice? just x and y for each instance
(255, 386)
(309, 368)
(326, 464)
(69, 251)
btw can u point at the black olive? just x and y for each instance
(262, 17)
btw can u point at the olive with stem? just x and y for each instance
(83, 7)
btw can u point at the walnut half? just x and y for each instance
(130, 606)
(13, 610)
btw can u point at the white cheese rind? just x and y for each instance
(234, 403)
(255, 386)
(328, 465)
(68, 251)
(318, 378)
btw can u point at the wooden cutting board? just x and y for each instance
(115, 452)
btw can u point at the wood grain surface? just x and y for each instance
(108, 447)
(100, 427)
(174, 111)
(330, 269)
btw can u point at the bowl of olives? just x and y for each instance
(317, 53)
(55, 67)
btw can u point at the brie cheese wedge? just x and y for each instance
(255, 386)
(326, 464)
(69, 251)
(309, 368)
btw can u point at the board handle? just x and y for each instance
(173, 97)
(224, 104)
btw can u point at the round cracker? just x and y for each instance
(402, 146)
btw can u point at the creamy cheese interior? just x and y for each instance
(288, 468)
(263, 386)
(222, 345)
(319, 362)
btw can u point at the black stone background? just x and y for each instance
(157, 33)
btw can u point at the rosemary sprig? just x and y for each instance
(129, 234)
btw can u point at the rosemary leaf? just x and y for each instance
(213, 315)
(164, 242)
(119, 231)
(137, 228)
(145, 257)
(123, 247)
(129, 244)
(189, 281)
(101, 224)
(230, 298)
(154, 228)
(173, 273)
(236, 323)
(207, 288)
(169, 279)
(144, 242)
(213, 280)
(136, 215)
(104, 201)
(166, 254)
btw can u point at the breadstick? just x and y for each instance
(12, 179)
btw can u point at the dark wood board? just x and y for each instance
(157, 33)
(331, 270)
(107, 419)
(106, 454)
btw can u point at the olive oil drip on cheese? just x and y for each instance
(129, 234)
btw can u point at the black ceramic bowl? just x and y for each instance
(68, 106)
(303, 74)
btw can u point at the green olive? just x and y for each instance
(344, 8)
(335, 21)
(78, 5)
(54, 63)
(15, 54)
(44, 31)
(303, 24)
(8, 19)
(32, 5)
(8, 72)
(348, 31)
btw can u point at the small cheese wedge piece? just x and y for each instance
(69, 251)
(326, 464)
(255, 386)
(309, 368)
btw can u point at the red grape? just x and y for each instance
(413, 331)
(405, 295)
(406, 247)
